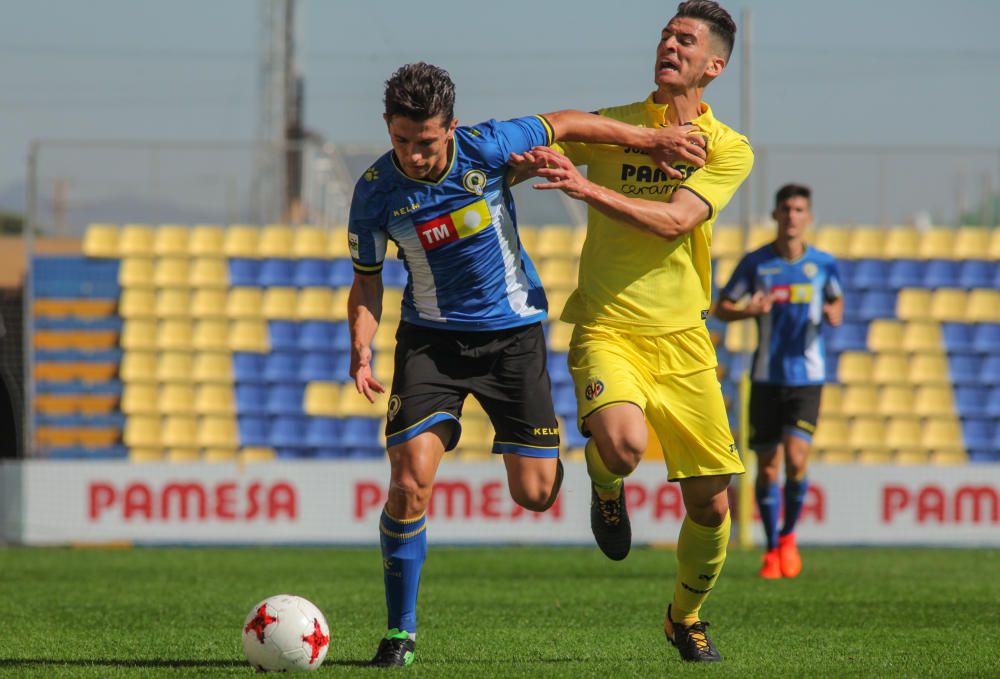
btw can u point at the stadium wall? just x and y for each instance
(93, 502)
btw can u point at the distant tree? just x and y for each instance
(986, 214)
(11, 222)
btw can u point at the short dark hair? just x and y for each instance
(720, 23)
(792, 191)
(420, 92)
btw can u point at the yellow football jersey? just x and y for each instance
(635, 280)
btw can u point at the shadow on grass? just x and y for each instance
(131, 662)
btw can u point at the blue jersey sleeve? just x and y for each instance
(512, 136)
(834, 288)
(741, 283)
(366, 229)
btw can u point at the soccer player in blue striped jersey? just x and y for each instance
(471, 311)
(793, 289)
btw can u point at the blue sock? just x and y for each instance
(795, 495)
(404, 549)
(769, 505)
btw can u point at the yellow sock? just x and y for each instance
(608, 485)
(701, 551)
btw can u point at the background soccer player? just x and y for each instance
(471, 309)
(640, 349)
(793, 288)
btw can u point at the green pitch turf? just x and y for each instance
(508, 612)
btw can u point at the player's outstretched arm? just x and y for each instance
(671, 220)
(728, 310)
(833, 311)
(364, 310)
(665, 145)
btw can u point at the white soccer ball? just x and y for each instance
(285, 633)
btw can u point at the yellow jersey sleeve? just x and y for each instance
(578, 152)
(723, 173)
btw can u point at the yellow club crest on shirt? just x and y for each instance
(810, 270)
(371, 174)
(474, 181)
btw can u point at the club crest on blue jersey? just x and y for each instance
(474, 181)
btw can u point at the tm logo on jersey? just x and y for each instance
(593, 389)
(461, 223)
(792, 294)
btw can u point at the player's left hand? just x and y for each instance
(678, 143)
(561, 173)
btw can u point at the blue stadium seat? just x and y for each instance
(964, 369)
(282, 366)
(360, 432)
(869, 274)
(319, 335)
(990, 372)
(289, 431)
(312, 273)
(846, 269)
(906, 273)
(255, 431)
(970, 401)
(877, 304)
(342, 273)
(323, 432)
(331, 453)
(277, 273)
(976, 273)
(992, 406)
(285, 399)
(847, 337)
(243, 272)
(986, 338)
(319, 366)
(977, 433)
(393, 273)
(283, 335)
(251, 399)
(996, 278)
(558, 369)
(564, 401)
(249, 366)
(941, 273)
(832, 361)
(365, 452)
(293, 453)
(571, 436)
(957, 337)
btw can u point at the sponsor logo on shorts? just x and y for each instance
(461, 223)
(594, 389)
(395, 403)
(474, 181)
(546, 431)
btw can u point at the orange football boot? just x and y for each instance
(791, 562)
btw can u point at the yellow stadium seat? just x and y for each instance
(139, 399)
(579, 238)
(837, 456)
(855, 368)
(145, 455)
(101, 240)
(207, 272)
(135, 239)
(902, 242)
(171, 240)
(241, 241)
(315, 304)
(208, 303)
(172, 272)
(557, 301)
(910, 456)
(994, 251)
(558, 273)
(337, 243)
(350, 403)
(983, 306)
(895, 400)
(323, 398)
(477, 433)
(385, 338)
(948, 304)
(741, 336)
(183, 455)
(207, 240)
(761, 235)
(723, 270)
(948, 457)
(249, 335)
(174, 334)
(138, 334)
(252, 455)
(867, 434)
(859, 399)
(214, 367)
(867, 242)
(175, 367)
(554, 240)
(177, 398)
(276, 241)
(142, 431)
(173, 303)
(972, 242)
(392, 301)
(136, 272)
(919, 337)
(929, 369)
(559, 335)
(903, 433)
(890, 368)
(138, 366)
(831, 433)
(219, 455)
(245, 303)
(933, 400)
(937, 243)
(310, 241)
(217, 431)
(211, 335)
(875, 457)
(885, 336)
(214, 399)
(834, 239)
(340, 295)
(913, 305)
(832, 400)
(942, 433)
(137, 303)
(528, 235)
(280, 304)
(727, 241)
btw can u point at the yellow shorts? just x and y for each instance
(672, 379)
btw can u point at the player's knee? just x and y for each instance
(626, 452)
(408, 496)
(540, 492)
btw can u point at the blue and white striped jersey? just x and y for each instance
(457, 236)
(789, 346)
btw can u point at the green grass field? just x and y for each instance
(506, 612)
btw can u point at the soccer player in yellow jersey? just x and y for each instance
(640, 350)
